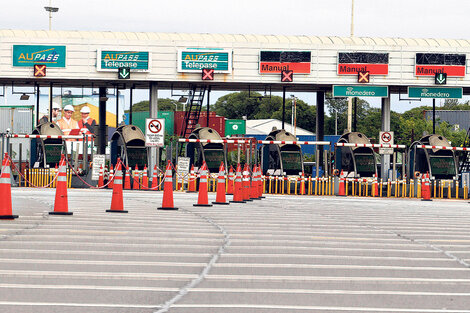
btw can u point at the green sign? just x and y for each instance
(113, 60)
(235, 127)
(360, 91)
(440, 78)
(124, 73)
(28, 55)
(195, 59)
(435, 92)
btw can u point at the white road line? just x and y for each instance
(114, 253)
(333, 278)
(106, 262)
(99, 275)
(87, 305)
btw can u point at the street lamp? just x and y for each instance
(51, 10)
(294, 115)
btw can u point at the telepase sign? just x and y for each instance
(136, 61)
(193, 60)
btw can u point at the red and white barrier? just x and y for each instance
(264, 142)
(50, 136)
(370, 145)
(444, 148)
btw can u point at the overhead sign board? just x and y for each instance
(235, 127)
(274, 62)
(193, 60)
(360, 91)
(386, 137)
(28, 55)
(136, 61)
(435, 92)
(351, 63)
(428, 64)
(154, 132)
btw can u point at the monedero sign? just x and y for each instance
(193, 60)
(137, 61)
(28, 55)
(274, 62)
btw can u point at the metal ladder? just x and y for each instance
(464, 165)
(193, 110)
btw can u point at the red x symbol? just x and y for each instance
(39, 70)
(363, 77)
(207, 74)
(287, 76)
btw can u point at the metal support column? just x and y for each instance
(37, 105)
(434, 115)
(117, 107)
(283, 106)
(355, 115)
(154, 152)
(130, 105)
(320, 123)
(50, 102)
(208, 105)
(102, 121)
(385, 159)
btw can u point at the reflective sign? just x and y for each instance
(195, 59)
(28, 55)
(136, 61)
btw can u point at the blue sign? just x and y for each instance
(28, 55)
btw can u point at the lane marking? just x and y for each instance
(82, 262)
(88, 305)
(107, 275)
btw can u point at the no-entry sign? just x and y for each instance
(154, 132)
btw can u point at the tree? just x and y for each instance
(164, 104)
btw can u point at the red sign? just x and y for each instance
(39, 70)
(431, 70)
(386, 137)
(208, 74)
(363, 77)
(287, 76)
(354, 69)
(276, 67)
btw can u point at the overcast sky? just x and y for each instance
(376, 18)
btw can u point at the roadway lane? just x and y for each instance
(280, 254)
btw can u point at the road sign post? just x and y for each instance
(154, 132)
(386, 137)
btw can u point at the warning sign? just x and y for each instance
(386, 138)
(154, 132)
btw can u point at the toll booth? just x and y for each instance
(212, 153)
(46, 153)
(439, 163)
(281, 159)
(355, 161)
(128, 143)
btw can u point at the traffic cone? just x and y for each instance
(302, 184)
(145, 179)
(127, 179)
(261, 184)
(61, 206)
(238, 187)
(5, 191)
(154, 178)
(168, 190)
(220, 198)
(246, 184)
(375, 185)
(117, 202)
(136, 184)
(101, 177)
(192, 181)
(254, 184)
(342, 187)
(111, 177)
(231, 179)
(202, 199)
(426, 189)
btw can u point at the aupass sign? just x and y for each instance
(351, 63)
(193, 60)
(274, 62)
(28, 55)
(360, 91)
(435, 92)
(428, 64)
(110, 60)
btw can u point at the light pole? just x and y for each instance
(51, 10)
(294, 115)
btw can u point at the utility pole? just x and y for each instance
(352, 18)
(51, 10)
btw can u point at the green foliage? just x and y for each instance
(164, 104)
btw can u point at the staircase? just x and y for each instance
(464, 165)
(193, 110)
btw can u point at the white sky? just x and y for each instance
(376, 18)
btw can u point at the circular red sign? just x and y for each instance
(155, 126)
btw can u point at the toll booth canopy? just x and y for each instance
(355, 161)
(439, 163)
(281, 159)
(47, 152)
(212, 153)
(128, 143)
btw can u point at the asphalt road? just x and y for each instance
(279, 254)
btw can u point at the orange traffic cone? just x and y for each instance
(302, 184)
(375, 185)
(231, 179)
(261, 183)
(254, 184)
(202, 199)
(154, 178)
(220, 198)
(238, 187)
(136, 184)
(426, 188)
(111, 177)
(342, 187)
(246, 183)
(168, 190)
(61, 206)
(192, 180)
(5, 191)
(127, 179)
(145, 178)
(117, 202)
(101, 177)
